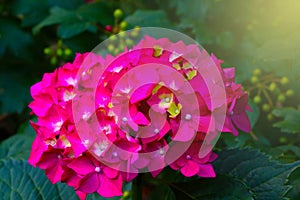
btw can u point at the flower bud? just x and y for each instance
(122, 34)
(281, 98)
(266, 107)
(282, 139)
(59, 52)
(47, 51)
(254, 79)
(108, 28)
(284, 80)
(123, 25)
(257, 72)
(272, 86)
(67, 52)
(257, 99)
(53, 61)
(112, 38)
(289, 93)
(110, 48)
(270, 117)
(118, 13)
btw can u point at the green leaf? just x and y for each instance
(57, 15)
(14, 91)
(241, 174)
(96, 196)
(67, 4)
(20, 181)
(74, 22)
(291, 119)
(19, 145)
(32, 11)
(146, 18)
(222, 187)
(13, 38)
(67, 30)
(233, 142)
(254, 115)
(263, 177)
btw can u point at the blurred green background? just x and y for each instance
(260, 38)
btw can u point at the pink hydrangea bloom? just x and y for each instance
(100, 124)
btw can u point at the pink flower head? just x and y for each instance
(102, 120)
(96, 177)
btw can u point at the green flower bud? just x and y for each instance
(254, 79)
(135, 32)
(270, 117)
(257, 99)
(59, 52)
(121, 47)
(53, 61)
(281, 98)
(272, 86)
(113, 38)
(118, 13)
(122, 34)
(266, 107)
(129, 42)
(47, 51)
(289, 92)
(123, 25)
(282, 139)
(284, 80)
(257, 72)
(111, 48)
(67, 52)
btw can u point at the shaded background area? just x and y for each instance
(261, 38)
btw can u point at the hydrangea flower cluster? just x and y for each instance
(100, 122)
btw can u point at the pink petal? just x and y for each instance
(82, 165)
(81, 195)
(89, 184)
(55, 172)
(242, 122)
(141, 93)
(140, 119)
(185, 132)
(110, 173)
(110, 187)
(206, 171)
(190, 169)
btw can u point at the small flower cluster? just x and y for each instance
(87, 139)
(269, 90)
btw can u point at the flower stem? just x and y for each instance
(137, 188)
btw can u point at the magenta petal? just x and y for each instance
(110, 187)
(140, 119)
(81, 195)
(241, 104)
(190, 169)
(40, 107)
(206, 170)
(141, 162)
(89, 184)
(36, 89)
(55, 172)
(185, 133)
(110, 173)
(82, 165)
(141, 93)
(48, 160)
(242, 122)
